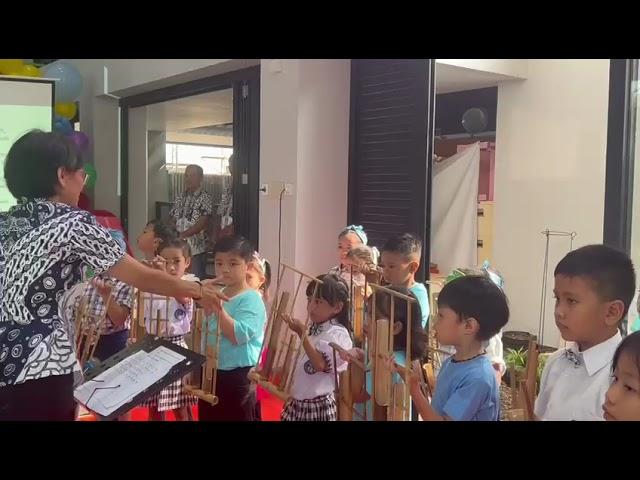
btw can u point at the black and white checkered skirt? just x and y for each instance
(318, 409)
(172, 396)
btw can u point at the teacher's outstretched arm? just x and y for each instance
(134, 273)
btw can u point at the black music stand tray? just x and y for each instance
(149, 343)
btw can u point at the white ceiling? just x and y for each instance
(216, 108)
(213, 108)
(450, 78)
(180, 137)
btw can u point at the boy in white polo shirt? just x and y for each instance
(594, 286)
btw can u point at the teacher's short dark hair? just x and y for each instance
(31, 166)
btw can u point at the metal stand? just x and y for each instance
(543, 297)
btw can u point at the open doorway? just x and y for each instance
(464, 167)
(212, 123)
(196, 130)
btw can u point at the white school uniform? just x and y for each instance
(179, 315)
(574, 383)
(495, 353)
(309, 383)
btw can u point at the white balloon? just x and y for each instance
(68, 81)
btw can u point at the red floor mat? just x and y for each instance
(270, 408)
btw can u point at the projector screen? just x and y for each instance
(25, 104)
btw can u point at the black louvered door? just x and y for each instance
(392, 106)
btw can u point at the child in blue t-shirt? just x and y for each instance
(400, 259)
(471, 310)
(242, 320)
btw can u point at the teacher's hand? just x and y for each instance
(159, 263)
(212, 299)
(213, 282)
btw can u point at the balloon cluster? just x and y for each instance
(68, 81)
(68, 87)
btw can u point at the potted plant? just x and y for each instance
(516, 361)
(542, 361)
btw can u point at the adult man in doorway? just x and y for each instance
(190, 213)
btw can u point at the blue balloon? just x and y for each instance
(68, 81)
(62, 125)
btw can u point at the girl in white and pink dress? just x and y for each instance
(176, 315)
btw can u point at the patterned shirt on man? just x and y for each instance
(187, 210)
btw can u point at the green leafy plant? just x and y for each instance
(516, 359)
(542, 361)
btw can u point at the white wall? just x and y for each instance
(550, 170)
(323, 161)
(138, 174)
(158, 175)
(509, 67)
(100, 119)
(278, 158)
(304, 140)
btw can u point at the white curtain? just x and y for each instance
(454, 211)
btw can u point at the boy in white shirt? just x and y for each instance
(594, 286)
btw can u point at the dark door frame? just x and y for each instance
(621, 131)
(248, 157)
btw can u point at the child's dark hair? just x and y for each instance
(236, 244)
(266, 270)
(176, 242)
(407, 245)
(631, 346)
(476, 296)
(333, 289)
(610, 271)
(267, 275)
(418, 334)
(163, 232)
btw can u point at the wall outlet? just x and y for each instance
(264, 189)
(275, 188)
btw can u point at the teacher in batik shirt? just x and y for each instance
(46, 246)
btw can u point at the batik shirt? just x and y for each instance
(45, 249)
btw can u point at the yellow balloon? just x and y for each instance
(66, 110)
(7, 65)
(30, 71)
(24, 71)
(14, 72)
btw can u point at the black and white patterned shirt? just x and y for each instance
(121, 293)
(45, 249)
(187, 210)
(225, 207)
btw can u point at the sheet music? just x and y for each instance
(122, 382)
